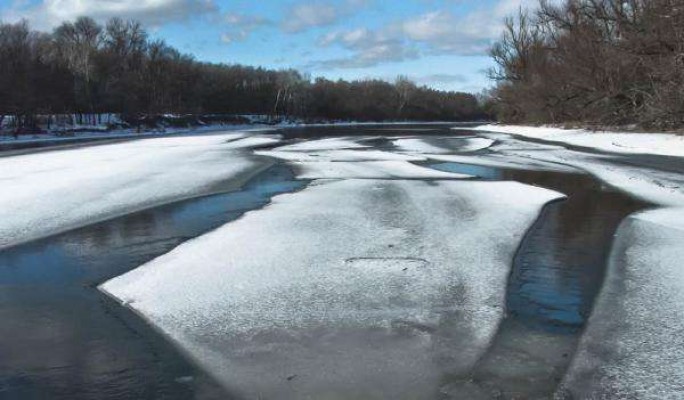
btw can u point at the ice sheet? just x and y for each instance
(370, 170)
(625, 142)
(54, 191)
(633, 345)
(325, 144)
(347, 289)
(497, 161)
(652, 185)
(442, 145)
(340, 155)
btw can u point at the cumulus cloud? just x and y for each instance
(435, 32)
(50, 13)
(240, 26)
(368, 48)
(315, 14)
(304, 16)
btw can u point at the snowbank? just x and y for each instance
(631, 143)
(347, 289)
(50, 192)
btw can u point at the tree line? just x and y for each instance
(604, 62)
(83, 67)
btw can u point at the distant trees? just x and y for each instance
(85, 68)
(593, 61)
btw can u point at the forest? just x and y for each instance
(83, 67)
(593, 63)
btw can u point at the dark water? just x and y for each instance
(68, 340)
(556, 275)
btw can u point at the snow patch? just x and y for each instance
(340, 155)
(633, 347)
(50, 192)
(631, 143)
(442, 145)
(358, 288)
(325, 144)
(370, 170)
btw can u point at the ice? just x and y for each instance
(498, 161)
(630, 347)
(652, 185)
(370, 170)
(347, 289)
(325, 144)
(49, 192)
(442, 145)
(253, 141)
(340, 155)
(625, 142)
(633, 345)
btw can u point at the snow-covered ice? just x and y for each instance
(347, 289)
(497, 161)
(54, 191)
(370, 170)
(633, 345)
(442, 145)
(630, 347)
(333, 143)
(647, 143)
(340, 155)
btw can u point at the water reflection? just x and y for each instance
(560, 265)
(63, 339)
(556, 275)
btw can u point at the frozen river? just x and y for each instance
(350, 262)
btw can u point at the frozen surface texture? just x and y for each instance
(442, 145)
(370, 170)
(334, 143)
(348, 289)
(633, 346)
(54, 191)
(627, 142)
(340, 155)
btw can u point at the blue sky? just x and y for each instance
(439, 43)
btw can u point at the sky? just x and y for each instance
(439, 43)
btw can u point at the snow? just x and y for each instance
(369, 170)
(50, 192)
(442, 145)
(667, 144)
(333, 143)
(633, 345)
(130, 133)
(651, 185)
(630, 347)
(347, 289)
(498, 161)
(340, 155)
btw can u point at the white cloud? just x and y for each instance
(310, 15)
(240, 26)
(433, 32)
(368, 48)
(50, 13)
(315, 14)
